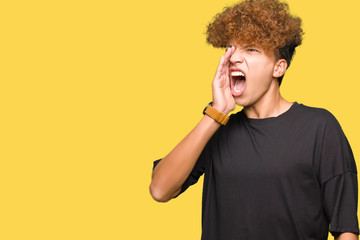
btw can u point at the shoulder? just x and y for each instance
(323, 120)
(317, 114)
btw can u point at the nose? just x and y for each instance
(237, 57)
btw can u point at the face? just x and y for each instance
(252, 74)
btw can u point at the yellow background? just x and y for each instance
(92, 92)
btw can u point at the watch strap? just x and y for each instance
(216, 115)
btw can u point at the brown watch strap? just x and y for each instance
(216, 115)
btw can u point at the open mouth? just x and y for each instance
(237, 82)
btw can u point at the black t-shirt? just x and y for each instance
(285, 177)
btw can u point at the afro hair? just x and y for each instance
(264, 23)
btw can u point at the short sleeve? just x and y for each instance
(195, 174)
(340, 195)
(338, 178)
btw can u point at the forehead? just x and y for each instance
(243, 45)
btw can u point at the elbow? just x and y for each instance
(157, 194)
(345, 236)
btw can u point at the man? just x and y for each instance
(276, 169)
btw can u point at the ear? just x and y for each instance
(279, 68)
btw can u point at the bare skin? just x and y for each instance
(346, 236)
(263, 100)
(172, 171)
(261, 97)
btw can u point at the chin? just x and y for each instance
(241, 102)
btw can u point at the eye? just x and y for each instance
(252, 50)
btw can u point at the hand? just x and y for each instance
(223, 100)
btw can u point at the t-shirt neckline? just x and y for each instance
(285, 114)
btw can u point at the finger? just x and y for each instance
(221, 63)
(230, 51)
(227, 57)
(226, 61)
(227, 76)
(226, 65)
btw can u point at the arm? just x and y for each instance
(337, 174)
(346, 236)
(172, 171)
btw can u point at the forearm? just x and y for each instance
(346, 236)
(172, 171)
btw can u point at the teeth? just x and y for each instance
(237, 73)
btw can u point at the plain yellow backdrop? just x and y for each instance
(92, 92)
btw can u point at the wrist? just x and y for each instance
(221, 109)
(215, 114)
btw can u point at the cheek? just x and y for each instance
(266, 69)
(263, 72)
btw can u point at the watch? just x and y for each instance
(215, 114)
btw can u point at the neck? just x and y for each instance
(271, 104)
